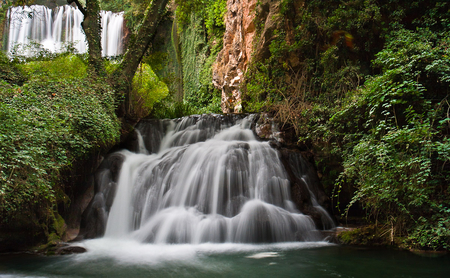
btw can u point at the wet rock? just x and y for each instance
(93, 219)
(67, 250)
(306, 189)
(266, 128)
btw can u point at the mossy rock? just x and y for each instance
(371, 235)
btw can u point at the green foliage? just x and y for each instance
(111, 66)
(398, 151)
(328, 46)
(115, 5)
(169, 109)
(312, 61)
(147, 90)
(185, 62)
(392, 134)
(197, 61)
(133, 10)
(211, 11)
(63, 67)
(45, 125)
(10, 72)
(215, 18)
(432, 233)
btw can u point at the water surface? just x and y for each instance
(112, 258)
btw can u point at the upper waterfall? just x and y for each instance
(55, 28)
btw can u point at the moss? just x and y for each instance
(198, 56)
(194, 52)
(10, 72)
(372, 235)
(164, 59)
(59, 227)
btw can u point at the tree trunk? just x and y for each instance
(122, 78)
(93, 31)
(136, 50)
(92, 28)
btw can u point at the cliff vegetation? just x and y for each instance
(365, 85)
(361, 84)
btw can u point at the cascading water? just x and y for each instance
(112, 25)
(54, 28)
(208, 180)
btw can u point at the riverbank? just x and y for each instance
(372, 235)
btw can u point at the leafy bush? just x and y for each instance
(65, 66)
(10, 72)
(399, 150)
(147, 90)
(44, 126)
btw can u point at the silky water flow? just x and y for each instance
(55, 28)
(206, 183)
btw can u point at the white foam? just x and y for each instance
(130, 252)
(263, 255)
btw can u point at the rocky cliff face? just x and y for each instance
(232, 61)
(241, 43)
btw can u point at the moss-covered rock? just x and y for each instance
(371, 235)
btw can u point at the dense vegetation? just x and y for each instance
(50, 115)
(198, 28)
(57, 109)
(370, 91)
(364, 84)
(187, 57)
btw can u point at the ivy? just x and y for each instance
(45, 125)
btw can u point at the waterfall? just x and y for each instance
(112, 25)
(55, 28)
(209, 180)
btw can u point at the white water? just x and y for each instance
(131, 252)
(230, 188)
(327, 222)
(54, 29)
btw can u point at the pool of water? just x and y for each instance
(112, 258)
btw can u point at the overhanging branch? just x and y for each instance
(80, 7)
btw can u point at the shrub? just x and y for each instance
(44, 126)
(398, 150)
(147, 90)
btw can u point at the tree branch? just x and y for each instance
(123, 76)
(144, 36)
(80, 7)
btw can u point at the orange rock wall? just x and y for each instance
(232, 61)
(240, 45)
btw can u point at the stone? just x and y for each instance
(240, 46)
(231, 63)
(67, 250)
(266, 128)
